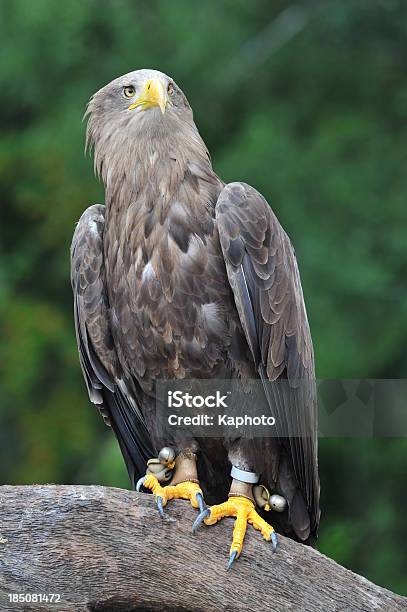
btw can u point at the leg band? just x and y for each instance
(244, 476)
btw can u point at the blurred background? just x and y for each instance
(307, 101)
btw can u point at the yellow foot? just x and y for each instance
(183, 490)
(243, 510)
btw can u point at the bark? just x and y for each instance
(106, 549)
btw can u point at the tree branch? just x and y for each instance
(107, 549)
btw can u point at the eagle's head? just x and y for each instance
(137, 115)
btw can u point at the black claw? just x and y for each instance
(200, 518)
(160, 506)
(232, 559)
(274, 541)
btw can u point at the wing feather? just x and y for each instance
(264, 277)
(114, 395)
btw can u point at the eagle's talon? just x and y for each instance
(183, 490)
(140, 483)
(205, 513)
(202, 506)
(232, 558)
(159, 501)
(243, 510)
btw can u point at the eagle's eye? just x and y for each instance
(129, 91)
(170, 89)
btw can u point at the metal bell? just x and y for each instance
(261, 496)
(160, 471)
(166, 455)
(277, 503)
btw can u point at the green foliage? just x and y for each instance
(317, 121)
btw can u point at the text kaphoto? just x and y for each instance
(221, 420)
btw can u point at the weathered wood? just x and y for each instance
(105, 549)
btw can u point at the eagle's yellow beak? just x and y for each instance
(154, 94)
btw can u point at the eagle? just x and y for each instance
(179, 277)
